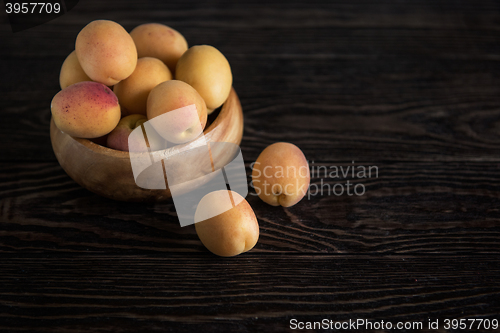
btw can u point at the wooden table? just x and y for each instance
(410, 87)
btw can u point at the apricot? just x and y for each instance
(86, 110)
(280, 175)
(106, 52)
(231, 232)
(207, 70)
(159, 41)
(133, 91)
(120, 139)
(71, 71)
(189, 118)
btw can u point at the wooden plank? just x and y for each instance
(315, 27)
(410, 208)
(411, 88)
(249, 293)
(409, 110)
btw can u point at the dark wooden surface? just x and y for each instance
(411, 87)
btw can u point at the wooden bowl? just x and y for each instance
(108, 172)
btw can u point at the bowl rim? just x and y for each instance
(97, 148)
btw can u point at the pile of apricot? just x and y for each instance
(115, 81)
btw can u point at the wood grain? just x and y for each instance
(410, 110)
(250, 293)
(443, 28)
(410, 87)
(415, 81)
(410, 208)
